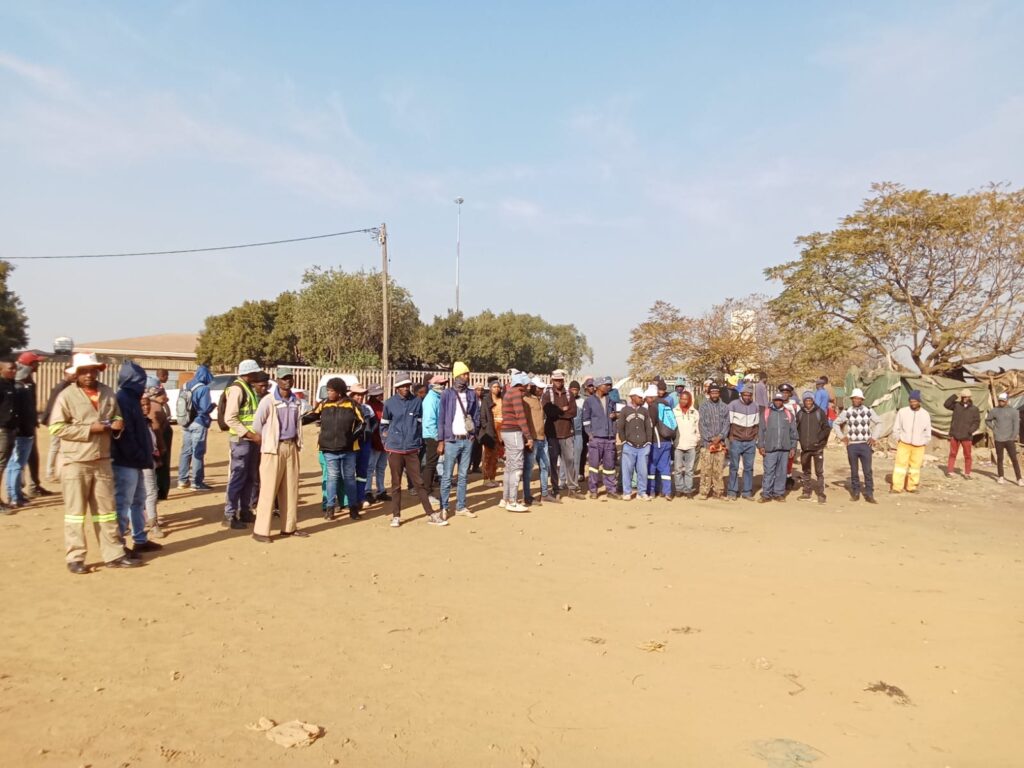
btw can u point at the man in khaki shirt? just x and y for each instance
(86, 418)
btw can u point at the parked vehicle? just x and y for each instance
(218, 385)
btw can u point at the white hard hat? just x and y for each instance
(858, 392)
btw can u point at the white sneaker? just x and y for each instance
(502, 503)
(515, 506)
(492, 484)
(1021, 482)
(395, 522)
(434, 501)
(465, 513)
(645, 497)
(1001, 481)
(435, 519)
(444, 514)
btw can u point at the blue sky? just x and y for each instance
(610, 155)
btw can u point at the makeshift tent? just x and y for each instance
(888, 391)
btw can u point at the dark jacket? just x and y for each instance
(401, 426)
(1004, 422)
(488, 429)
(341, 425)
(558, 423)
(597, 419)
(743, 420)
(778, 430)
(452, 407)
(134, 447)
(8, 417)
(713, 421)
(24, 409)
(812, 428)
(965, 421)
(636, 426)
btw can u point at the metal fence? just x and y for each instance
(51, 371)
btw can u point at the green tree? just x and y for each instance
(490, 342)
(243, 332)
(338, 322)
(938, 276)
(13, 321)
(735, 335)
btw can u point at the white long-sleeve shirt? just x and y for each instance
(912, 427)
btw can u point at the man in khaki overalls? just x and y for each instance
(85, 417)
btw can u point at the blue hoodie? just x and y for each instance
(134, 448)
(431, 411)
(201, 401)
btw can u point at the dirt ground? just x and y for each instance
(619, 634)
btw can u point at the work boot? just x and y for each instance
(329, 514)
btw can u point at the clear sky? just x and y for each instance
(610, 154)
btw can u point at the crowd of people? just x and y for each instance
(112, 449)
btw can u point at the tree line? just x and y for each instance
(913, 279)
(334, 321)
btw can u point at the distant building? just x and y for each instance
(174, 351)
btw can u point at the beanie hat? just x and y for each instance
(574, 383)
(459, 368)
(807, 395)
(915, 394)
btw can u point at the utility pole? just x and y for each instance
(383, 238)
(458, 248)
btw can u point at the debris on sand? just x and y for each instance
(685, 630)
(652, 646)
(892, 691)
(263, 724)
(295, 733)
(786, 753)
(595, 640)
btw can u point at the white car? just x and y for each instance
(221, 382)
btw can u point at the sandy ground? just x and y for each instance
(585, 634)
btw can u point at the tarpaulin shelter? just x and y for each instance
(888, 391)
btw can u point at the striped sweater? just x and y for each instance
(513, 413)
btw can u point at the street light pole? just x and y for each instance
(458, 248)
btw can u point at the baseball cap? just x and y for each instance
(778, 396)
(284, 372)
(636, 391)
(603, 380)
(27, 358)
(439, 378)
(520, 379)
(1003, 396)
(538, 383)
(588, 382)
(652, 391)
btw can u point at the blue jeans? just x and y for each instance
(245, 465)
(537, 455)
(15, 467)
(375, 472)
(458, 451)
(860, 453)
(745, 450)
(634, 460)
(130, 500)
(773, 486)
(341, 465)
(193, 450)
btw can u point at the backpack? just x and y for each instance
(222, 405)
(184, 411)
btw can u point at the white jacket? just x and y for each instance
(912, 427)
(689, 434)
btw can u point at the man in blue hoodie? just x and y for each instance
(131, 452)
(193, 442)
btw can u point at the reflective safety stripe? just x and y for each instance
(109, 517)
(650, 477)
(608, 471)
(74, 518)
(361, 479)
(385, 421)
(55, 427)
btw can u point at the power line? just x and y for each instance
(368, 230)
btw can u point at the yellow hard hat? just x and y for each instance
(459, 368)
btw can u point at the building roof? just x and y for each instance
(172, 345)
